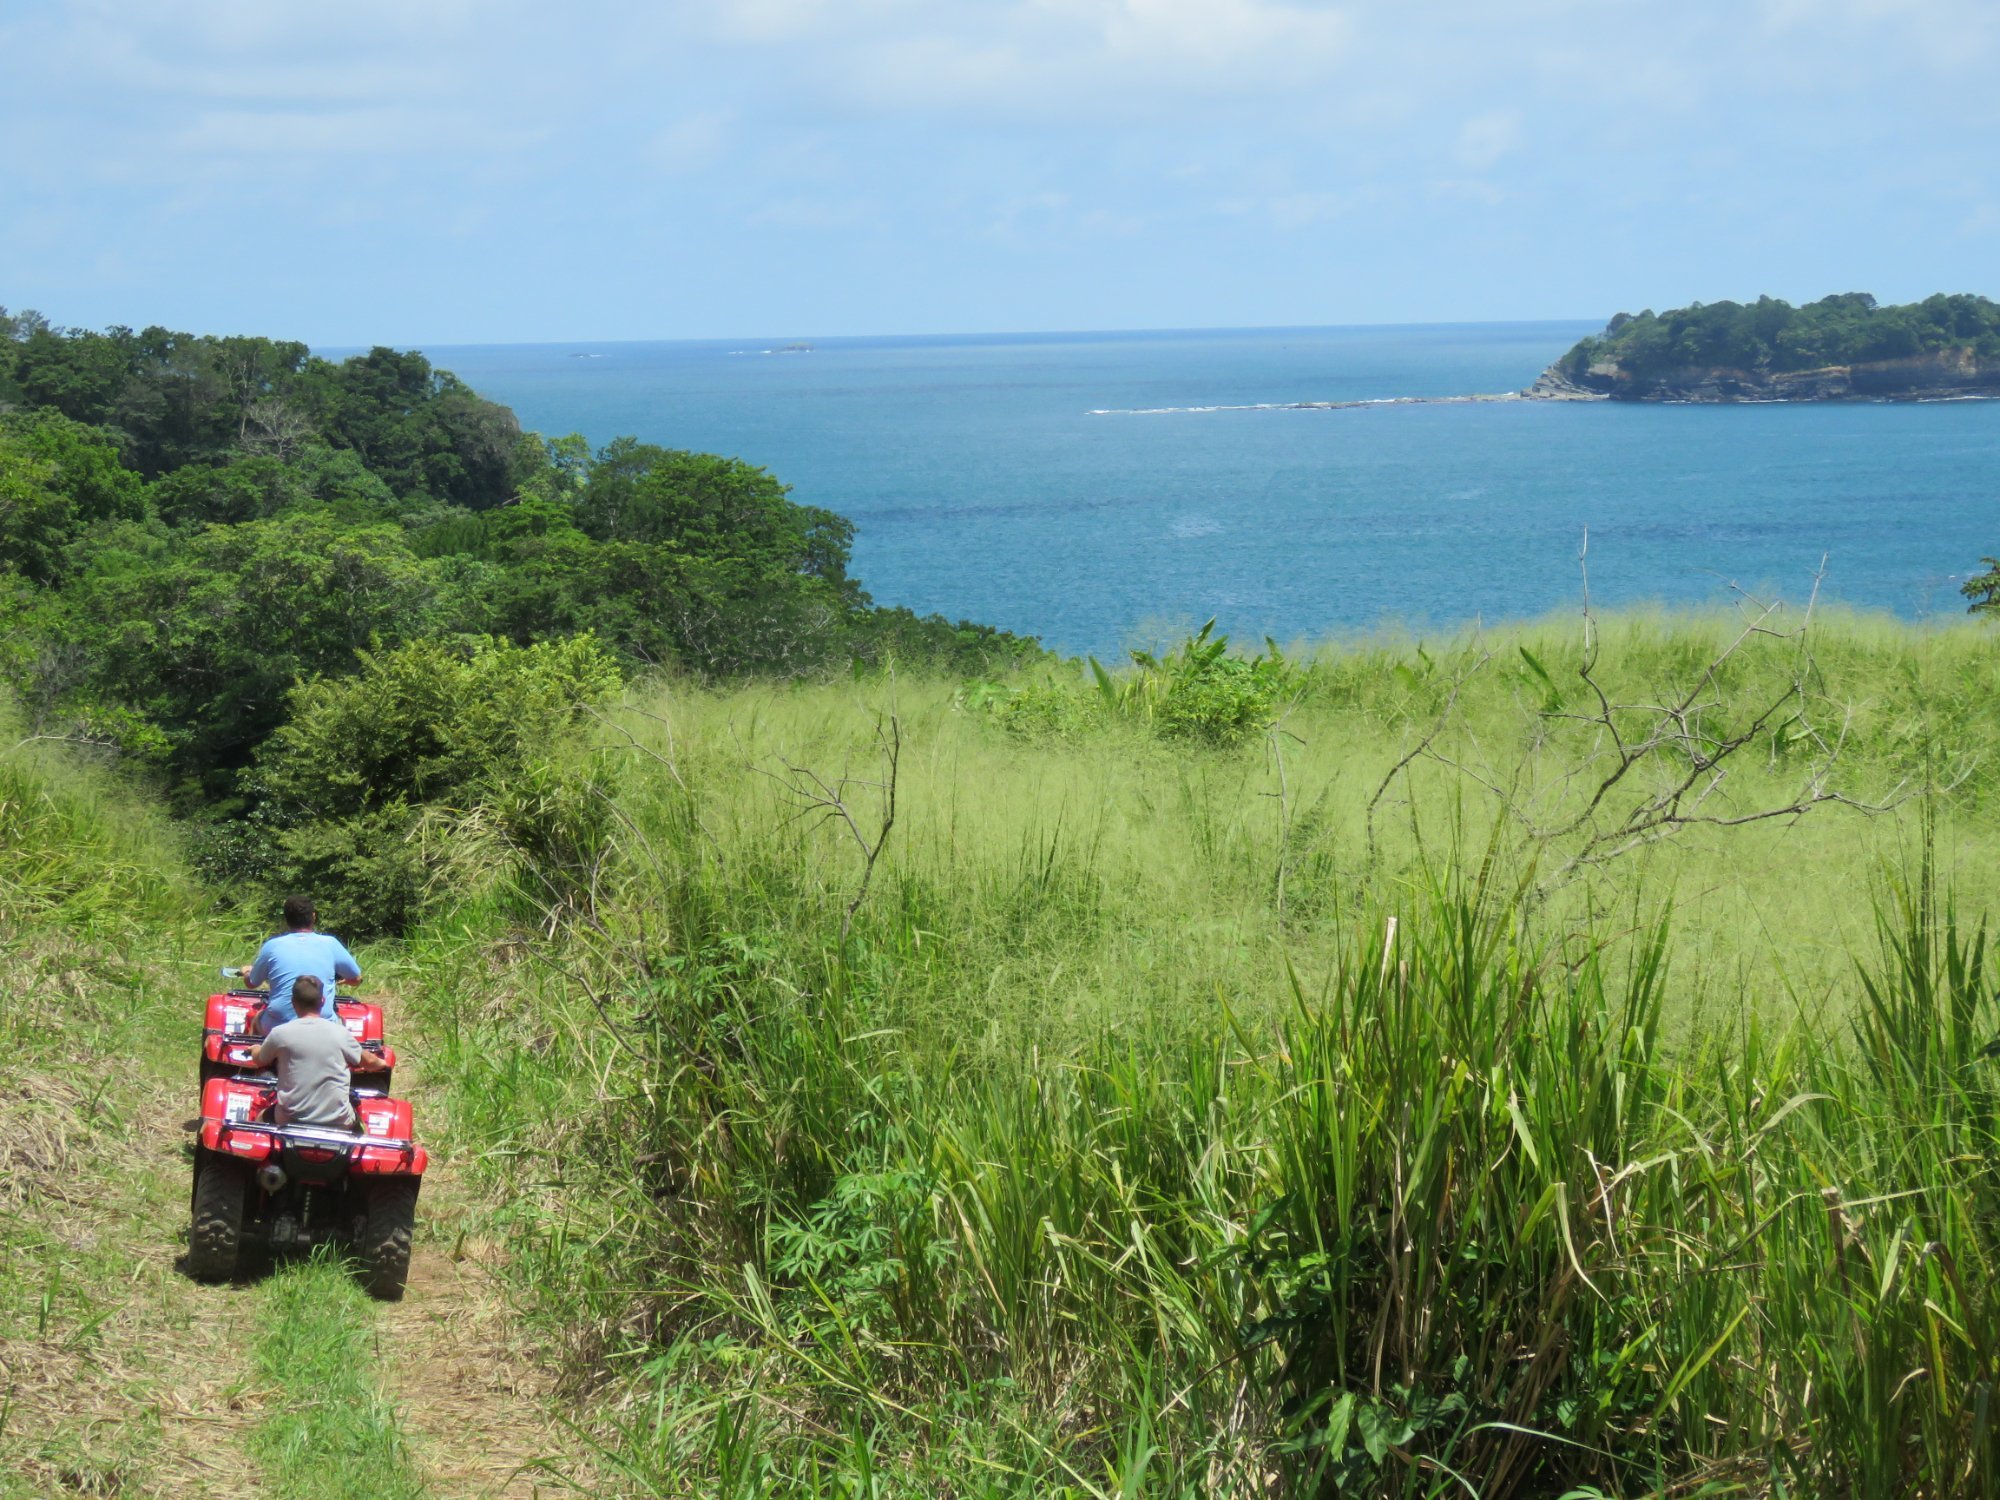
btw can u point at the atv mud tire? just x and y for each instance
(385, 1237)
(215, 1240)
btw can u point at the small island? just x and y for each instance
(1841, 348)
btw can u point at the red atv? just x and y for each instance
(230, 1034)
(291, 1187)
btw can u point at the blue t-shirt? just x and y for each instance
(293, 955)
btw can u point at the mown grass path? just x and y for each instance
(328, 1432)
(121, 1376)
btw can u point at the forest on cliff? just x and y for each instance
(1773, 336)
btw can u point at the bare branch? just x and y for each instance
(832, 801)
(1600, 806)
(1423, 745)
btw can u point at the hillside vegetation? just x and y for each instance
(1078, 1086)
(189, 524)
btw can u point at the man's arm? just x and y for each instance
(265, 1055)
(369, 1062)
(345, 969)
(260, 968)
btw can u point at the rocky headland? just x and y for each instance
(1948, 375)
(1847, 347)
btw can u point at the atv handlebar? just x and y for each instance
(237, 973)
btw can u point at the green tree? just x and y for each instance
(35, 521)
(723, 508)
(423, 431)
(79, 374)
(245, 489)
(1984, 589)
(205, 638)
(81, 484)
(1770, 335)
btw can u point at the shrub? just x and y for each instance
(1197, 692)
(366, 872)
(1215, 698)
(432, 726)
(1045, 708)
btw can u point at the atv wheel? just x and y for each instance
(385, 1237)
(220, 1188)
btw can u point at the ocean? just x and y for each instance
(1072, 487)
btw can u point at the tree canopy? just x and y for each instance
(191, 525)
(1774, 337)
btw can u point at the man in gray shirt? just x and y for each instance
(314, 1056)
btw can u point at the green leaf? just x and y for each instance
(1339, 1422)
(1551, 698)
(1376, 1423)
(1106, 688)
(1521, 1129)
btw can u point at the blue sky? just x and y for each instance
(444, 171)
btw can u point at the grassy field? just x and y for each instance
(1513, 1065)
(1541, 1065)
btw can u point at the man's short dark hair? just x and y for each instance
(300, 912)
(308, 996)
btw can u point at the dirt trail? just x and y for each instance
(474, 1400)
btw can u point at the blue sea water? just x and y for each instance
(1033, 481)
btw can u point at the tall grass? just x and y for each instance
(95, 900)
(1162, 1128)
(104, 943)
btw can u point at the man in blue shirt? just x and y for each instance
(292, 955)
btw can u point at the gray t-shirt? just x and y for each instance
(312, 1055)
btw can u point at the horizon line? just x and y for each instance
(994, 334)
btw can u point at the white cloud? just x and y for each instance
(1041, 57)
(811, 214)
(387, 130)
(1947, 35)
(1468, 190)
(969, 127)
(1303, 210)
(786, 21)
(1221, 34)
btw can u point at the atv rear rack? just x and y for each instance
(317, 1135)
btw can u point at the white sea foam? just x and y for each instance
(1161, 411)
(1172, 411)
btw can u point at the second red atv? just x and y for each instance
(229, 1035)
